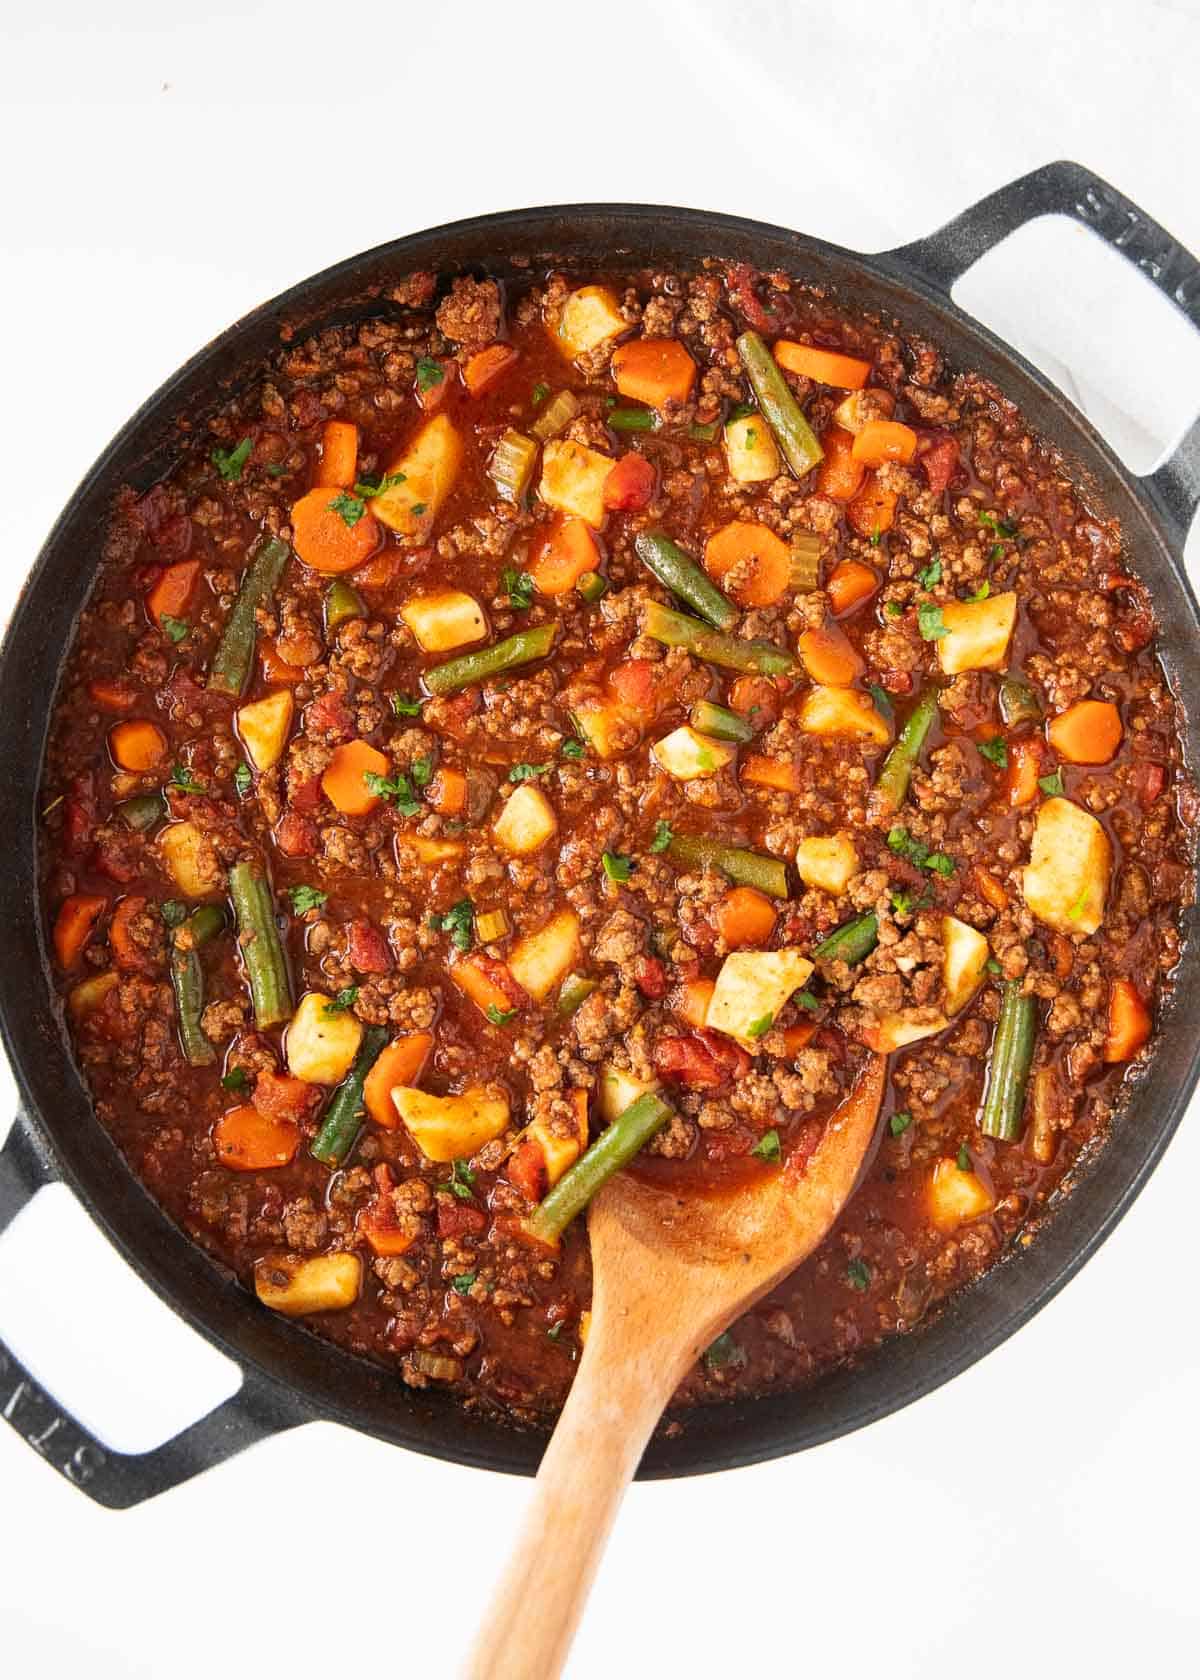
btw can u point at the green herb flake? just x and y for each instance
(1001, 529)
(930, 622)
(173, 912)
(243, 780)
(518, 586)
(883, 701)
(663, 835)
(529, 772)
(418, 508)
(349, 509)
(984, 590)
(236, 1079)
(963, 1158)
(932, 575)
(1052, 785)
(366, 489)
(421, 770)
(344, 1001)
(277, 469)
(429, 373)
(1080, 905)
(231, 462)
(462, 1284)
(995, 751)
(459, 923)
(902, 903)
(941, 863)
(875, 538)
(461, 1182)
(767, 1148)
(858, 1275)
(894, 610)
(572, 749)
(306, 898)
(616, 867)
(404, 706)
(992, 966)
(397, 788)
(174, 629)
(900, 1122)
(759, 1028)
(499, 1017)
(723, 1352)
(182, 778)
(539, 394)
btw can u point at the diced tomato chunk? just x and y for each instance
(460, 1219)
(633, 682)
(330, 716)
(650, 977)
(297, 836)
(527, 1170)
(79, 815)
(701, 1059)
(629, 487)
(740, 280)
(280, 1096)
(454, 714)
(941, 463)
(303, 792)
(1149, 780)
(368, 949)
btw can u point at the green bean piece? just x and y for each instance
(779, 407)
(720, 722)
(851, 942)
(703, 433)
(676, 629)
(1018, 702)
(262, 951)
(142, 811)
(1008, 1066)
(593, 587)
(747, 869)
(344, 1116)
(232, 662)
(576, 989)
(613, 1149)
(891, 786)
(632, 419)
(187, 981)
(342, 603)
(683, 577)
(469, 668)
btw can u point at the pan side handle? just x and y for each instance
(114, 1479)
(1068, 189)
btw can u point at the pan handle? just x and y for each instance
(1068, 189)
(113, 1479)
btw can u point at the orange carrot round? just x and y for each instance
(829, 658)
(873, 509)
(171, 595)
(73, 926)
(884, 440)
(485, 367)
(399, 1063)
(827, 367)
(1020, 780)
(1087, 733)
(113, 696)
(745, 917)
(777, 773)
(763, 561)
(248, 1141)
(338, 466)
(344, 781)
(322, 537)
(839, 476)
(692, 1001)
(568, 551)
(447, 792)
(654, 371)
(137, 745)
(850, 584)
(276, 669)
(1128, 1022)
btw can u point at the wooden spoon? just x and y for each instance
(669, 1273)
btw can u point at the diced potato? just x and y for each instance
(89, 994)
(190, 858)
(965, 954)
(450, 1128)
(299, 1287)
(956, 1196)
(827, 861)
(430, 466)
(444, 620)
(752, 988)
(589, 317)
(1066, 880)
(322, 1045)
(894, 1031)
(685, 755)
(750, 450)
(429, 850)
(573, 480)
(977, 634)
(559, 1153)
(617, 1090)
(608, 727)
(540, 960)
(842, 711)
(526, 822)
(263, 726)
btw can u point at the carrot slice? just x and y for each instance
(113, 696)
(763, 561)
(276, 669)
(339, 455)
(400, 1063)
(850, 584)
(568, 551)
(1128, 1022)
(485, 991)
(989, 888)
(829, 658)
(322, 537)
(248, 1141)
(771, 773)
(137, 745)
(693, 1001)
(1087, 733)
(171, 594)
(485, 367)
(447, 792)
(795, 1038)
(1024, 767)
(827, 367)
(839, 476)
(73, 926)
(344, 778)
(384, 569)
(654, 371)
(884, 440)
(745, 917)
(872, 511)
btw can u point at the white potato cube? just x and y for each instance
(589, 317)
(450, 1128)
(573, 478)
(751, 989)
(894, 1031)
(321, 1043)
(190, 858)
(956, 1196)
(326, 1283)
(263, 726)
(827, 861)
(842, 711)
(526, 822)
(685, 755)
(977, 634)
(617, 1090)
(540, 960)
(965, 954)
(750, 450)
(429, 467)
(445, 619)
(1066, 880)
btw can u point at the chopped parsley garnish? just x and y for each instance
(616, 867)
(724, 1351)
(499, 1017)
(572, 748)
(992, 966)
(518, 586)
(461, 1181)
(883, 701)
(757, 1029)
(277, 469)
(941, 863)
(429, 373)
(539, 394)
(236, 1079)
(403, 706)
(767, 1148)
(963, 1158)
(366, 490)
(984, 590)
(344, 1000)
(174, 629)
(742, 411)
(173, 912)
(458, 922)
(418, 508)
(528, 772)
(663, 835)
(918, 853)
(1052, 785)
(230, 462)
(932, 574)
(306, 898)
(900, 1122)
(243, 780)
(350, 509)
(1080, 905)
(903, 903)
(858, 1275)
(461, 1284)
(182, 778)
(556, 1330)
(1008, 532)
(930, 622)
(875, 538)
(995, 752)
(807, 1000)
(421, 770)
(894, 610)
(396, 788)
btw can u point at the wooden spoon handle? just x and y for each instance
(610, 1414)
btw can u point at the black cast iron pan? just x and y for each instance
(292, 1377)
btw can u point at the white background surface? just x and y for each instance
(166, 168)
